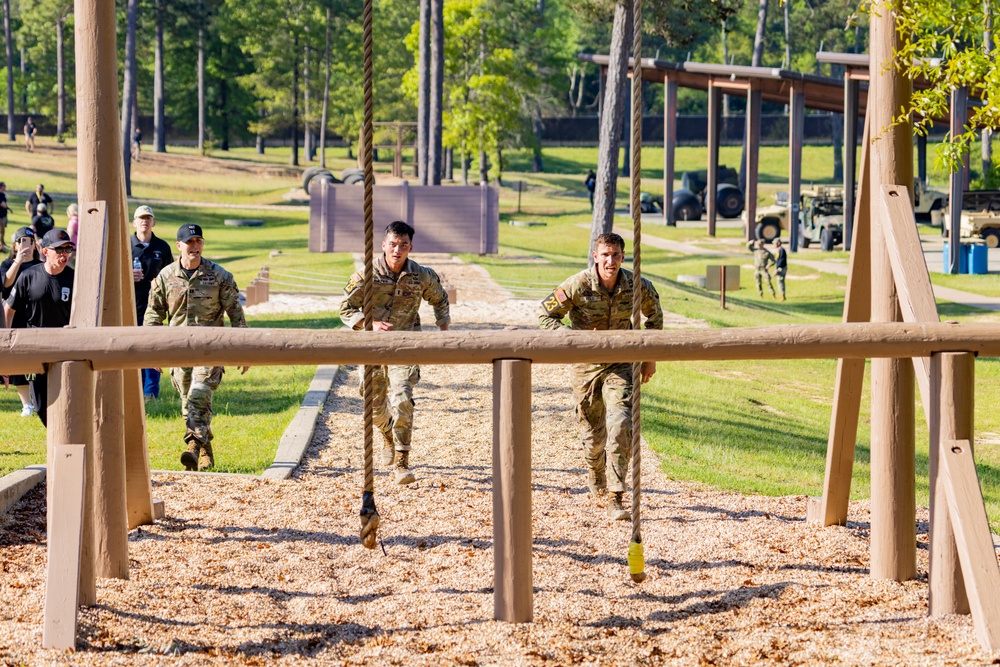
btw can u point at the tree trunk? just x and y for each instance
(466, 163)
(295, 103)
(725, 61)
(449, 164)
(424, 91)
(758, 57)
(260, 137)
(128, 91)
(436, 98)
(24, 82)
(201, 76)
(60, 79)
(987, 135)
(11, 131)
(787, 62)
(224, 110)
(536, 153)
(159, 103)
(483, 169)
(307, 143)
(326, 96)
(613, 108)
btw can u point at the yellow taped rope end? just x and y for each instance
(636, 562)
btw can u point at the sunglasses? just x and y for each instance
(63, 250)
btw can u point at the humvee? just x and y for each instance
(821, 216)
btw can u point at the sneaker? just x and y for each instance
(403, 474)
(615, 510)
(27, 411)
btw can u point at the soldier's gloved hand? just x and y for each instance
(381, 326)
(245, 369)
(648, 368)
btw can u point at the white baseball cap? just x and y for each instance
(143, 212)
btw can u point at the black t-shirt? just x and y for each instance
(29, 129)
(20, 320)
(781, 260)
(35, 201)
(45, 299)
(152, 257)
(3, 205)
(42, 223)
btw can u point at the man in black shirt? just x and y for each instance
(149, 255)
(29, 134)
(39, 196)
(3, 216)
(42, 222)
(780, 267)
(45, 293)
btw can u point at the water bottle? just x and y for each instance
(136, 264)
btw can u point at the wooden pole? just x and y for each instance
(714, 121)
(71, 421)
(893, 522)
(852, 87)
(27, 351)
(62, 579)
(722, 286)
(952, 418)
(796, 123)
(512, 585)
(669, 148)
(753, 158)
(959, 110)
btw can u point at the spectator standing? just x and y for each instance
(213, 295)
(44, 293)
(29, 135)
(136, 143)
(3, 217)
(73, 222)
(23, 256)
(39, 196)
(400, 284)
(600, 298)
(42, 222)
(150, 254)
(780, 267)
(591, 183)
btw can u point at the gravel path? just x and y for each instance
(246, 571)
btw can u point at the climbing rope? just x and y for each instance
(636, 558)
(369, 515)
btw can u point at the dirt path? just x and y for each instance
(251, 572)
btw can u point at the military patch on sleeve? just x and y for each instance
(354, 281)
(553, 301)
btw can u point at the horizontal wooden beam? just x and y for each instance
(27, 350)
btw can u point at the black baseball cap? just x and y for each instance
(55, 238)
(188, 232)
(24, 232)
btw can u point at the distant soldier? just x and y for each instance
(600, 298)
(195, 292)
(780, 267)
(591, 183)
(399, 284)
(762, 261)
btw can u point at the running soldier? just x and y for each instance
(399, 284)
(780, 267)
(762, 261)
(600, 298)
(195, 292)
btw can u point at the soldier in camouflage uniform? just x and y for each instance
(600, 298)
(195, 292)
(400, 284)
(762, 260)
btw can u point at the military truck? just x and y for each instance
(980, 216)
(689, 200)
(925, 201)
(821, 216)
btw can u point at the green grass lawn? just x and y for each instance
(250, 413)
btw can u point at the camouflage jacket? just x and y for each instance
(762, 259)
(397, 297)
(590, 306)
(199, 301)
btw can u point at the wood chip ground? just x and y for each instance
(246, 571)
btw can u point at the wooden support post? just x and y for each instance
(714, 122)
(62, 578)
(512, 586)
(831, 508)
(959, 110)
(265, 274)
(250, 293)
(71, 421)
(753, 157)
(797, 121)
(669, 148)
(851, 89)
(974, 541)
(893, 501)
(952, 418)
(922, 158)
(722, 286)
(100, 178)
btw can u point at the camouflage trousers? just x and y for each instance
(196, 386)
(780, 275)
(603, 394)
(392, 404)
(758, 276)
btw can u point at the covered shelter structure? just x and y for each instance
(796, 89)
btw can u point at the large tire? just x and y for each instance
(307, 176)
(686, 205)
(992, 238)
(354, 179)
(768, 229)
(351, 170)
(729, 200)
(804, 241)
(826, 240)
(315, 177)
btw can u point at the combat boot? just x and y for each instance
(597, 483)
(615, 510)
(403, 474)
(207, 458)
(388, 449)
(189, 459)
